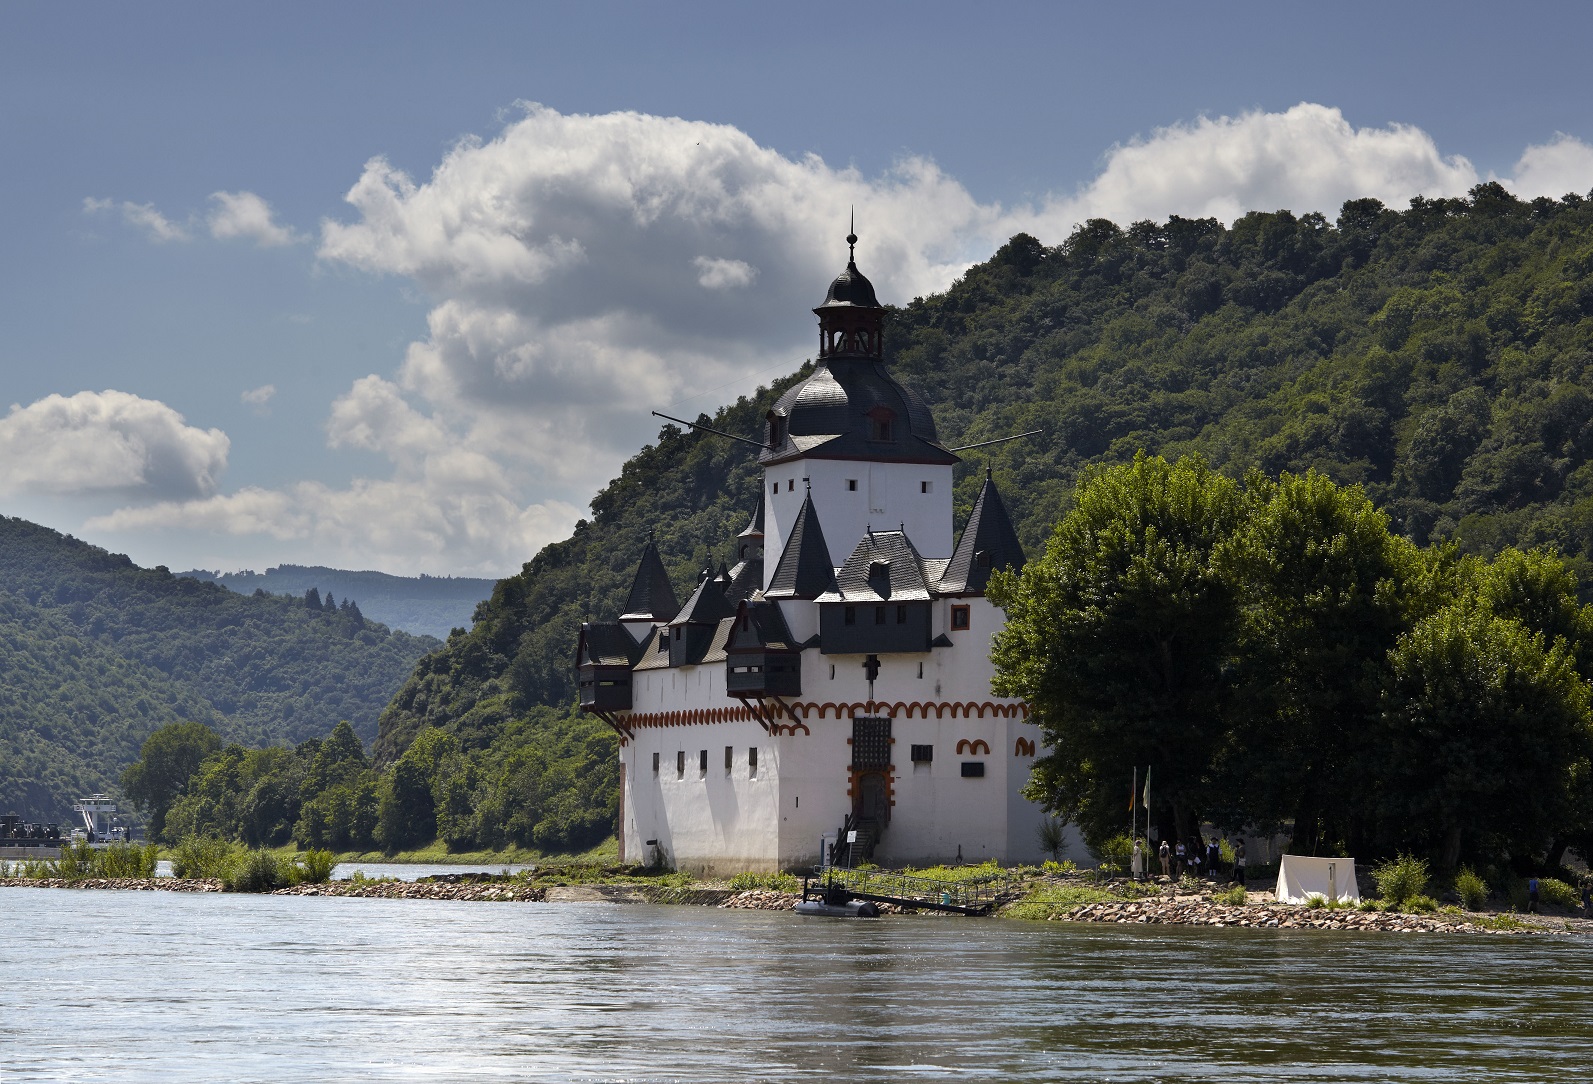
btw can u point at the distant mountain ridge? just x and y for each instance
(423, 605)
(96, 653)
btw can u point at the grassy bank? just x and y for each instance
(604, 854)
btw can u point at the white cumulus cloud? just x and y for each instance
(1554, 169)
(142, 215)
(247, 216)
(259, 398)
(717, 274)
(108, 441)
(583, 270)
(1306, 158)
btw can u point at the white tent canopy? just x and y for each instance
(1300, 878)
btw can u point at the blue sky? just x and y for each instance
(314, 283)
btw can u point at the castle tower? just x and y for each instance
(860, 443)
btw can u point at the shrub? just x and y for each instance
(1315, 903)
(1371, 905)
(203, 857)
(1472, 889)
(1114, 854)
(1401, 878)
(1234, 897)
(1065, 866)
(1557, 893)
(1419, 905)
(776, 882)
(258, 871)
(1053, 837)
(311, 867)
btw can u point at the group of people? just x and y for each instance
(1196, 858)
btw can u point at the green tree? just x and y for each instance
(1121, 639)
(1327, 590)
(168, 760)
(408, 813)
(1484, 732)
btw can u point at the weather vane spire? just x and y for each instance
(851, 238)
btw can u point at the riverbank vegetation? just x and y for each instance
(1274, 653)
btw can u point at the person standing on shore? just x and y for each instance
(1136, 865)
(1213, 858)
(1239, 862)
(1532, 895)
(1180, 860)
(1166, 855)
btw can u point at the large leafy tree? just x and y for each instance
(1484, 731)
(168, 760)
(1326, 592)
(1121, 639)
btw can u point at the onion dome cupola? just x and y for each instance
(988, 542)
(850, 407)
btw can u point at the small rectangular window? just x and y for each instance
(973, 769)
(702, 762)
(680, 764)
(901, 615)
(655, 763)
(925, 487)
(774, 487)
(923, 754)
(851, 485)
(790, 485)
(920, 669)
(879, 615)
(730, 757)
(832, 665)
(752, 761)
(851, 619)
(959, 617)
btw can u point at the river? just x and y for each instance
(171, 987)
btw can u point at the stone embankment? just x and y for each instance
(126, 884)
(475, 891)
(762, 899)
(1197, 911)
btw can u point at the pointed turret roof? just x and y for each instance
(652, 597)
(707, 605)
(885, 567)
(755, 528)
(988, 542)
(804, 570)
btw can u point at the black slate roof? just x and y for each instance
(830, 416)
(707, 605)
(760, 625)
(804, 570)
(606, 644)
(851, 288)
(988, 542)
(745, 578)
(652, 597)
(885, 567)
(755, 528)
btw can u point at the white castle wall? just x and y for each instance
(888, 496)
(718, 821)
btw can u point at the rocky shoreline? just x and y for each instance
(1200, 911)
(124, 884)
(1193, 910)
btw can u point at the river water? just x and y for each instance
(172, 987)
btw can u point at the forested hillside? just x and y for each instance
(96, 653)
(1438, 355)
(423, 605)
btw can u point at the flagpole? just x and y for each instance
(1133, 820)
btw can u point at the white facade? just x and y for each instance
(853, 496)
(772, 816)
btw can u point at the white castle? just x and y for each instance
(846, 686)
